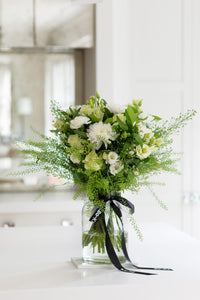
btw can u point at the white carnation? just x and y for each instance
(112, 158)
(116, 168)
(99, 133)
(77, 122)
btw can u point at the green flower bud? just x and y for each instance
(124, 135)
(137, 102)
(97, 95)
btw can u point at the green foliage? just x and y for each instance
(104, 151)
(163, 205)
(136, 228)
(122, 125)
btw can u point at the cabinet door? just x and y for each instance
(159, 65)
(150, 56)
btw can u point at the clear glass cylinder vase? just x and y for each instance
(93, 236)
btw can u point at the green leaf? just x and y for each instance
(128, 120)
(80, 177)
(138, 139)
(126, 146)
(115, 127)
(71, 110)
(81, 134)
(109, 120)
(104, 101)
(136, 161)
(107, 113)
(131, 113)
(122, 124)
(156, 118)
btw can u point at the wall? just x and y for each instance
(113, 51)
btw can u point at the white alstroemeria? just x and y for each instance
(99, 133)
(74, 158)
(116, 168)
(143, 152)
(112, 158)
(77, 122)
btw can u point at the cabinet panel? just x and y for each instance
(66, 219)
(158, 39)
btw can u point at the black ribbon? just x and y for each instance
(97, 214)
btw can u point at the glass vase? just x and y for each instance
(93, 236)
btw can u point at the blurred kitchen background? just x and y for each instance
(66, 50)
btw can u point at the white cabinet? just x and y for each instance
(52, 209)
(151, 50)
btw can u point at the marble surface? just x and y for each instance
(35, 264)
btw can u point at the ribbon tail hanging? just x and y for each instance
(113, 256)
(123, 242)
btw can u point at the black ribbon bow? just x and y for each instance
(97, 214)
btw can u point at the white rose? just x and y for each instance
(77, 122)
(116, 108)
(116, 168)
(112, 158)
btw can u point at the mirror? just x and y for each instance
(42, 57)
(28, 82)
(42, 23)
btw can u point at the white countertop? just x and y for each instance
(35, 264)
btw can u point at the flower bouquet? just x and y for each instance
(106, 152)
